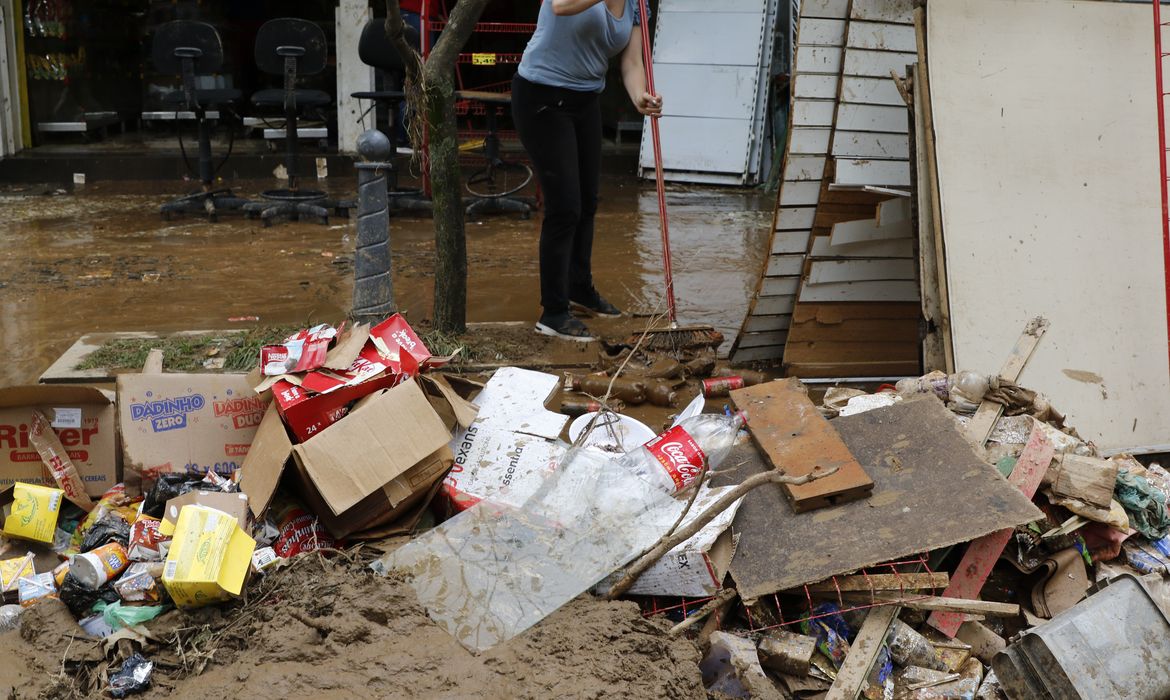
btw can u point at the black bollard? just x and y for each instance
(373, 289)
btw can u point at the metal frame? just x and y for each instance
(1159, 55)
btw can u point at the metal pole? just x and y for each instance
(373, 289)
(1159, 55)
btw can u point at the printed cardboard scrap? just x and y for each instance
(300, 352)
(57, 461)
(34, 512)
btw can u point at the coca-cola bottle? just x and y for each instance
(674, 459)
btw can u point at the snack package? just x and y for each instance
(146, 543)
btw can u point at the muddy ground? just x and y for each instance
(101, 260)
(329, 628)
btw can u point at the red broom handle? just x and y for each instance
(648, 63)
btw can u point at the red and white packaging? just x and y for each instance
(394, 336)
(300, 530)
(679, 455)
(308, 414)
(300, 352)
(146, 542)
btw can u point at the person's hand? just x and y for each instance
(649, 105)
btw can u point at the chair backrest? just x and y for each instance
(171, 38)
(291, 32)
(375, 48)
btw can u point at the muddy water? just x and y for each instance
(102, 260)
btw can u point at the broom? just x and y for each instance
(675, 337)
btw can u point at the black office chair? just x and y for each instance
(187, 49)
(376, 51)
(291, 48)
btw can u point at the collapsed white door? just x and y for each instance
(712, 64)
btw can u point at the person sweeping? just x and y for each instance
(557, 112)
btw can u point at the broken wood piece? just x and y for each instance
(721, 599)
(881, 582)
(862, 653)
(798, 440)
(787, 652)
(982, 554)
(154, 362)
(988, 413)
(955, 605)
(1088, 479)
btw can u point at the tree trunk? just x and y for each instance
(450, 309)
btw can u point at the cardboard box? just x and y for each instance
(234, 504)
(34, 512)
(366, 470)
(185, 423)
(512, 446)
(209, 559)
(84, 420)
(307, 414)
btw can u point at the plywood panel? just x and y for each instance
(857, 144)
(829, 271)
(877, 64)
(884, 10)
(822, 32)
(891, 173)
(813, 86)
(1013, 130)
(824, 8)
(780, 286)
(780, 265)
(893, 120)
(875, 91)
(804, 168)
(805, 140)
(882, 37)
(799, 193)
(897, 248)
(860, 291)
(818, 59)
(790, 241)
(813, 112)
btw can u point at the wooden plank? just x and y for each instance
(867, 230)
(822, 246)
(824, 32)
(813, 112)
(1088, 479)
(988, 413)
(890, 120)
(868, 368)
(824, 8)
(759, 354)
(935, 296)
(860, 144)
(773, 305)
(848, 351)
(762, 324)
(782, 265)
(838, 313)
(886, 290)
(859, 172)
(795, 218)
(871, 91)
(815, 86)
(832, 271)
(873, 64)
(809, 140)
(904, 331)
(793, 194)
(981, 555)
(882, 582)
(819, 59)
(960, 606)
(863, 652)
(780, 286)
(800, 168)
(752, 340)
(790, 241)
(797, 439)
(893, 211)
(881, 36)
(883, 10)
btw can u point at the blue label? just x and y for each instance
(167, 414)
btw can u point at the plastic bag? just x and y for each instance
(9, 617)
(113, 502)
(133, 677)
(118, 615)
(111, 527)
(1145, 504)
(80, 600)
(168, 486)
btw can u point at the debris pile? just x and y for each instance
(948, 537)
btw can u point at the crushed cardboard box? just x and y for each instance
(84, 420)
(185, 423)
(209, 558)
(234, 504)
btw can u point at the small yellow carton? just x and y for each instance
(209, 559)
(12, 570)
(34, 512)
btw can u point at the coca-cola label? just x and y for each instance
(679, 455)
(721, 386)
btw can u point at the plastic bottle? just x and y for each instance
(962, 387)
(672, 460)
(574, 406)
(661, 393)
(628, 390)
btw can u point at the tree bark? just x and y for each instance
(436, 77)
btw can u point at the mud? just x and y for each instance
(325, 628)
(100, 259)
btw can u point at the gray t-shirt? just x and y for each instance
(573, 51)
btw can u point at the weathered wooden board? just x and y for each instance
(880, 290)
(824, 8)
(860, 144)
(797, 168)
(897, 248)
(891, 173)
(830, 271)
(776, 304)
(798, 440)
(790, 241)
(863, 652)
(883, 10)
(930, 490)
(869, 230)
(880, 36)
(982, 554)
(894, 120)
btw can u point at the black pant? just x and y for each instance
(561, 130)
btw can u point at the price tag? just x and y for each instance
(483, 59)
(66, 418)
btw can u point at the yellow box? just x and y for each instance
(209, 559)
(11, 571)
(34, 512)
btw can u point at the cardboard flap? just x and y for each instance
(348, 346)
(261, 470)
(45, 394)
(362, 453)
(234, 504)
(514, 399)
(238, 557)
(451, 407)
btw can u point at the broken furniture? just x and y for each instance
(377, 51)
(191, 50)
(292, 48)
